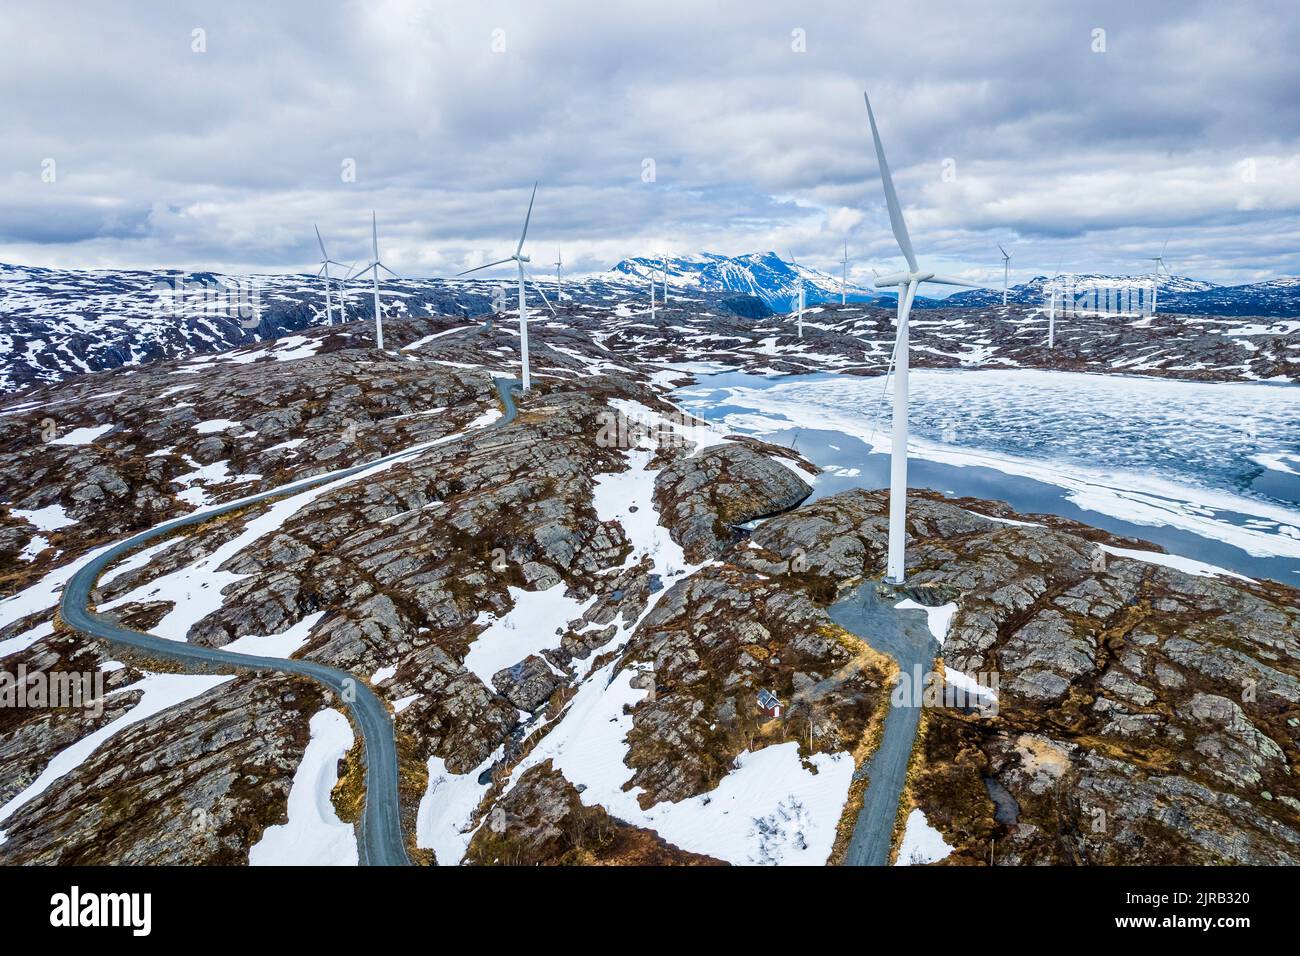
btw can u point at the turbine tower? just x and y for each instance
(663, 271)
(844, 275)
(1051, 309)
(519, 259)
(801, 290)
(907, 283)
(373, 268)
(1006, 272)
(325, 263)
(559, 265)
(1160, 264)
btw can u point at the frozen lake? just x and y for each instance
(1209, 471)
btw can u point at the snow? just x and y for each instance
(159, 691)
(32, 550)
(82, 436)
(284, 644)
(444, 821)
(1186, 565)
(49, 518)
(770, 809)
(937, 618)
(383, 674)
(213, 425)
(615, 495)
(922, 843)
(314, 835)
(528, 628)
(40, 596)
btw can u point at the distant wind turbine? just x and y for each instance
(663, 271)
(325, 263)
(1160, 264)
(373, 268)
(559, 264)
(799, 277)
(1006, 272)
(907, 283)
(844, 276)
(1051, 310)
(520, 260)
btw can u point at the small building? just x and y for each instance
(769, 703)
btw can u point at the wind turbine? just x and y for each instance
(519, 259)
(373, 268)
(844, 276)
(907, 283)
(1006, 272)
(663, 271)
(801, 290)
(325, 263)
(559, 264)
(1051, 310)
(1160, 264)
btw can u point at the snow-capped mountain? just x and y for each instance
(764, 275)
(1276, 297)
(57, 323)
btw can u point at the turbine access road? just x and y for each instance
(905, 636)
(379, 840)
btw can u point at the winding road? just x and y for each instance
(905, 636)
(379, 840)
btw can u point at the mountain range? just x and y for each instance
(776, 281)
(58, 323)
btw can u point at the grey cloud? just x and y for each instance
(224, 159)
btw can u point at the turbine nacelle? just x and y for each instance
(904, 278)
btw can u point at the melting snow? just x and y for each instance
(314, 835)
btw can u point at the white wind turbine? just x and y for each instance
(1160, 264)
(907, 283)
(663, 271)
(325, 263)
(1051, 308)
(519, 259)
(373, 268)
(844, 275)
(559, 265)
(801, 290)
(1006, 272)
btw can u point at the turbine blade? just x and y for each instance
(488, 266)
(323, 253)
(362, 271)
(891, 197)
(541, 291)
(523, 235)
(374, 233)
(947, 280)
(388, 270)
(895, 278)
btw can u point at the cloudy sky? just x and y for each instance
(1084, 135)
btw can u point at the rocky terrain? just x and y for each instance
(1144, 715)
(573, 632)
